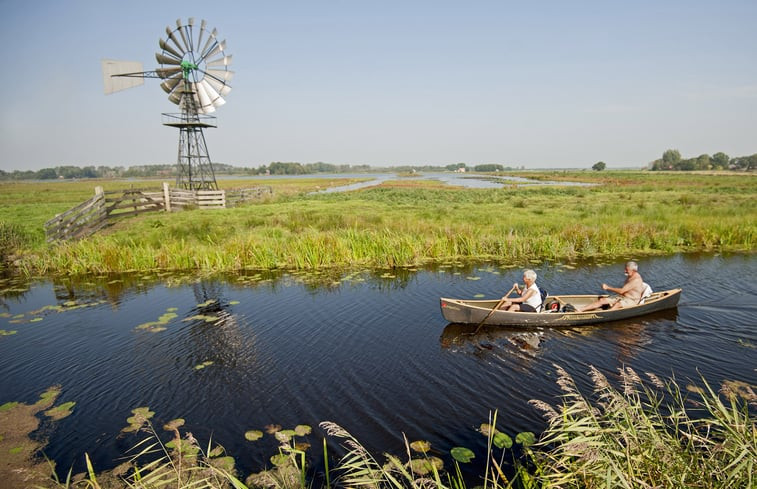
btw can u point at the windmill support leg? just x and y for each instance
(194, 165)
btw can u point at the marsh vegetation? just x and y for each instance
(397, 224)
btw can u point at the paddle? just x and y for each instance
(502, 300)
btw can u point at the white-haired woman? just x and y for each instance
(530, 297)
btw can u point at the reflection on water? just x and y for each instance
(368, 350)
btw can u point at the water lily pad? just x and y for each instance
(421, 446)
(139, 418)
(201, 317)
(501, 440)
(525, 438)
(223, 463)
(424, 466)
(284, 436)
(174, 424)
(166, 317)
(473, 278)
(279, 459)
(486, 429)
(207, 303)
(272, 428)
(48, 397)
(60, 412)
(302, 430)
(4, 332)
(462, 454)
(253, 435)
(479, 296)
(186, 448)
(233, 303)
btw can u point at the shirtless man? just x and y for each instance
(628, 295)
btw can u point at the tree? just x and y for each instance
(488, 167)
(599, 166)
(720, 160)
(671, 157)
(703, 162)
(47, 174)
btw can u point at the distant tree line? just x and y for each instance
(671, 160)
(274, 168)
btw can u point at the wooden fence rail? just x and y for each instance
(101, 210)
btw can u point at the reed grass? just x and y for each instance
(630, 213)
(648, 435)
(639, 434)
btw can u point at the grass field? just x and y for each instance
(396, 224)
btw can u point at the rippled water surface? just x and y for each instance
(369, 351)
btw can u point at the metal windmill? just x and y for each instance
(194, 68)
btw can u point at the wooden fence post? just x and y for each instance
(166, 197)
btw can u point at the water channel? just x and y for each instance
(368, 350)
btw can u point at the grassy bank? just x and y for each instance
(397, 224)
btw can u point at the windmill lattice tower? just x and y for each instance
(195, 72)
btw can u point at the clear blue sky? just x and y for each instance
(386, 83)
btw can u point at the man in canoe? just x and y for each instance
(627, 295)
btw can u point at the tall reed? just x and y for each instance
(648, 435)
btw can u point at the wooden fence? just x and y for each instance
(101, 210)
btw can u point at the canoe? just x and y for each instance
(465, 311)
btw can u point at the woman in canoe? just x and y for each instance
(530, 297)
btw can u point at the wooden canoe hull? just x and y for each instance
(465, 311)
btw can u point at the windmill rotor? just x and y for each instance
(195, 55)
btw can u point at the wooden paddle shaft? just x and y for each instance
(502, 300)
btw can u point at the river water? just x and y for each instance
(368, 350)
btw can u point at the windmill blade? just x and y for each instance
(189, 28)
(218, 48)
(170, 35)
(202, 32)
(219, 87)
(169, 85)
(209, 43)
(182, 33)
(214, 96)
(167, 60)
(221, 75)
(222, 61)
(166, 47)
(111, 68)
(205, 103)
(175, 96)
